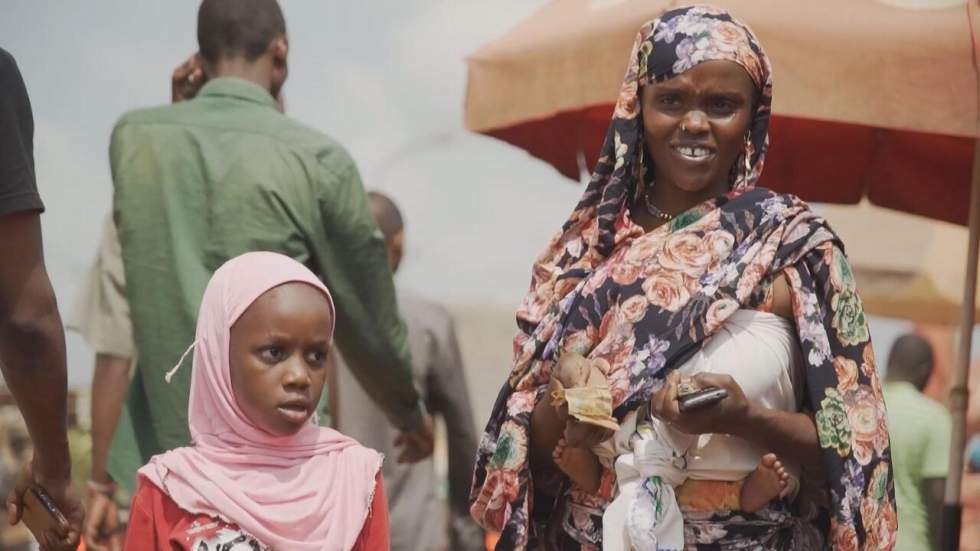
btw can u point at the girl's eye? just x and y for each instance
(273, 354)
(317, 358)
(668, 100)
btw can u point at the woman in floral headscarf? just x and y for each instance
(669, 244)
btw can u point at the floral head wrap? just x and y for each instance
(665, 48)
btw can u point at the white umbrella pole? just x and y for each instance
(960, 393)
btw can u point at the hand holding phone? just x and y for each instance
(49, 508)
(41, 515)
(713, 403)
(701, 398)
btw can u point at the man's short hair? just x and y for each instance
(386, 213)
(911, 359)
(237, 28)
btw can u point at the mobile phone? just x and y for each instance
(40, 512)
(701, 398)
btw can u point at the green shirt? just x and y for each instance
(201, 181)
(920, 434)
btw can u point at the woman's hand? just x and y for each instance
(727, 416)
(789, 434)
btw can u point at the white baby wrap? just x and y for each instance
(760, 351)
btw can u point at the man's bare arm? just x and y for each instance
(108, 395)
(32, 360)
(32, 343)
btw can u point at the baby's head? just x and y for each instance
(278, 356)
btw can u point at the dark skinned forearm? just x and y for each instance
(110, 384)
(32, 343)
(790, 435)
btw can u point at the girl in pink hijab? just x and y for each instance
(260, 474)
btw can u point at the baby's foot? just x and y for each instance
(580, 465)
(765, 483)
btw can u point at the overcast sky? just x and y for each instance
(385, 78)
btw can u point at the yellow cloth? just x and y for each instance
(590, 402)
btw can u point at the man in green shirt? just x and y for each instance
(204, 180)
(920, 434)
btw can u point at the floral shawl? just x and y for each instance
(646, 302)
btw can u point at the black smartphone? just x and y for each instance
(701, 398)
(40, 512)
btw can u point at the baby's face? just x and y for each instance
(278, 355)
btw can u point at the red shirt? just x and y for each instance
(156, 523)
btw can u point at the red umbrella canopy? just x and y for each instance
(869, 99)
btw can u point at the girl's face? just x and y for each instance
(278, 355)
(695, 124)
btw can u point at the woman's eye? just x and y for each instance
(723, 106)
(669, 100)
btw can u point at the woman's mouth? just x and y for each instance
(694, 154)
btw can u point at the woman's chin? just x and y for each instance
(698, 186)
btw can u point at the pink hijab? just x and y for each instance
(307, 492)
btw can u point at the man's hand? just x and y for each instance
(417, 445)
(187, 79)
(102, 523)
(64, 537)
(725, 417)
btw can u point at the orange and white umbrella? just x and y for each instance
(906, 266)
(869, 99)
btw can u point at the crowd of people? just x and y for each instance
(692, 369)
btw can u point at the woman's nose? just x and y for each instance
(694, 122)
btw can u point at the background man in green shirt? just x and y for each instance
(920, 434)
(204, 180)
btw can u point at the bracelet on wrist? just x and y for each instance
(105, 488)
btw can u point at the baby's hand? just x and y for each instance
(572, 370)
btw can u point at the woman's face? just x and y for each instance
(695, 125)
(278, 355)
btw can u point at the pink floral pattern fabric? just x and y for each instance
(643, 303)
